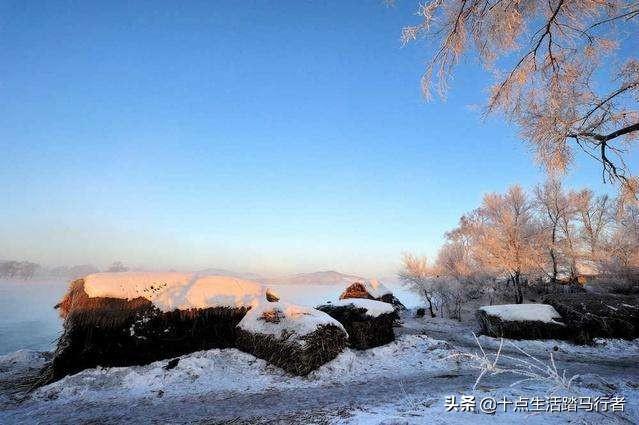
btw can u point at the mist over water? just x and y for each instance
(27, 317)
(29, 321)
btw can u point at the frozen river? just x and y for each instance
(28, 319)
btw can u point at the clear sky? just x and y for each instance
(268, 136)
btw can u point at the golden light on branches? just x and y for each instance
(548, 60)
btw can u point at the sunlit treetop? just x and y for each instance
(565, 71)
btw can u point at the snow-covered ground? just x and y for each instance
(406, 381)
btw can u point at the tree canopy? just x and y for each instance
(565, 72)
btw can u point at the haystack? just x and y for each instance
(521, 321)
(122, 319)
(369, 323)
(371, 290)
(295, 338)
(591, 315)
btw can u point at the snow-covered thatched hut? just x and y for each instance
(297, 339)
(371, 290)
(369, 323)
(521, 321)
(121, 319)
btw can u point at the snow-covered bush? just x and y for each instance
(528, 367)
(418, 276)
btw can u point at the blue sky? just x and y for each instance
(268, 136)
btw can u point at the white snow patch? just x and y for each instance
(405, 356)
(216, 291)
(418, 368)
(524, 312)
(170, 291)
(285, 317)
(373, 308)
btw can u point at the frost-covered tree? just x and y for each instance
(557, 212)
(565, 72)
(505, 236)
(623, 247)
(596, 217)
(117, 266)
(416, 273)
(553, 236)
(455, 259)
(18, 269)
(550, 202)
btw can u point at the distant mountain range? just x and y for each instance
(240, 275)
(72, 272)
(329, 277)
(26, 270)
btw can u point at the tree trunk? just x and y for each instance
(553, 257)
(430, 307)
(519, 296)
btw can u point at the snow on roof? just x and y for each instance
(374, 287)
(373, 308)
(524, 312)
(170, 291)
(277, 317)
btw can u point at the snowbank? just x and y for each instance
(170, 291)
(282, 317)
(373, 308)
(524, 313)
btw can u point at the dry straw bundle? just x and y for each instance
(104, 331)
(364, 330)
(589, 315)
